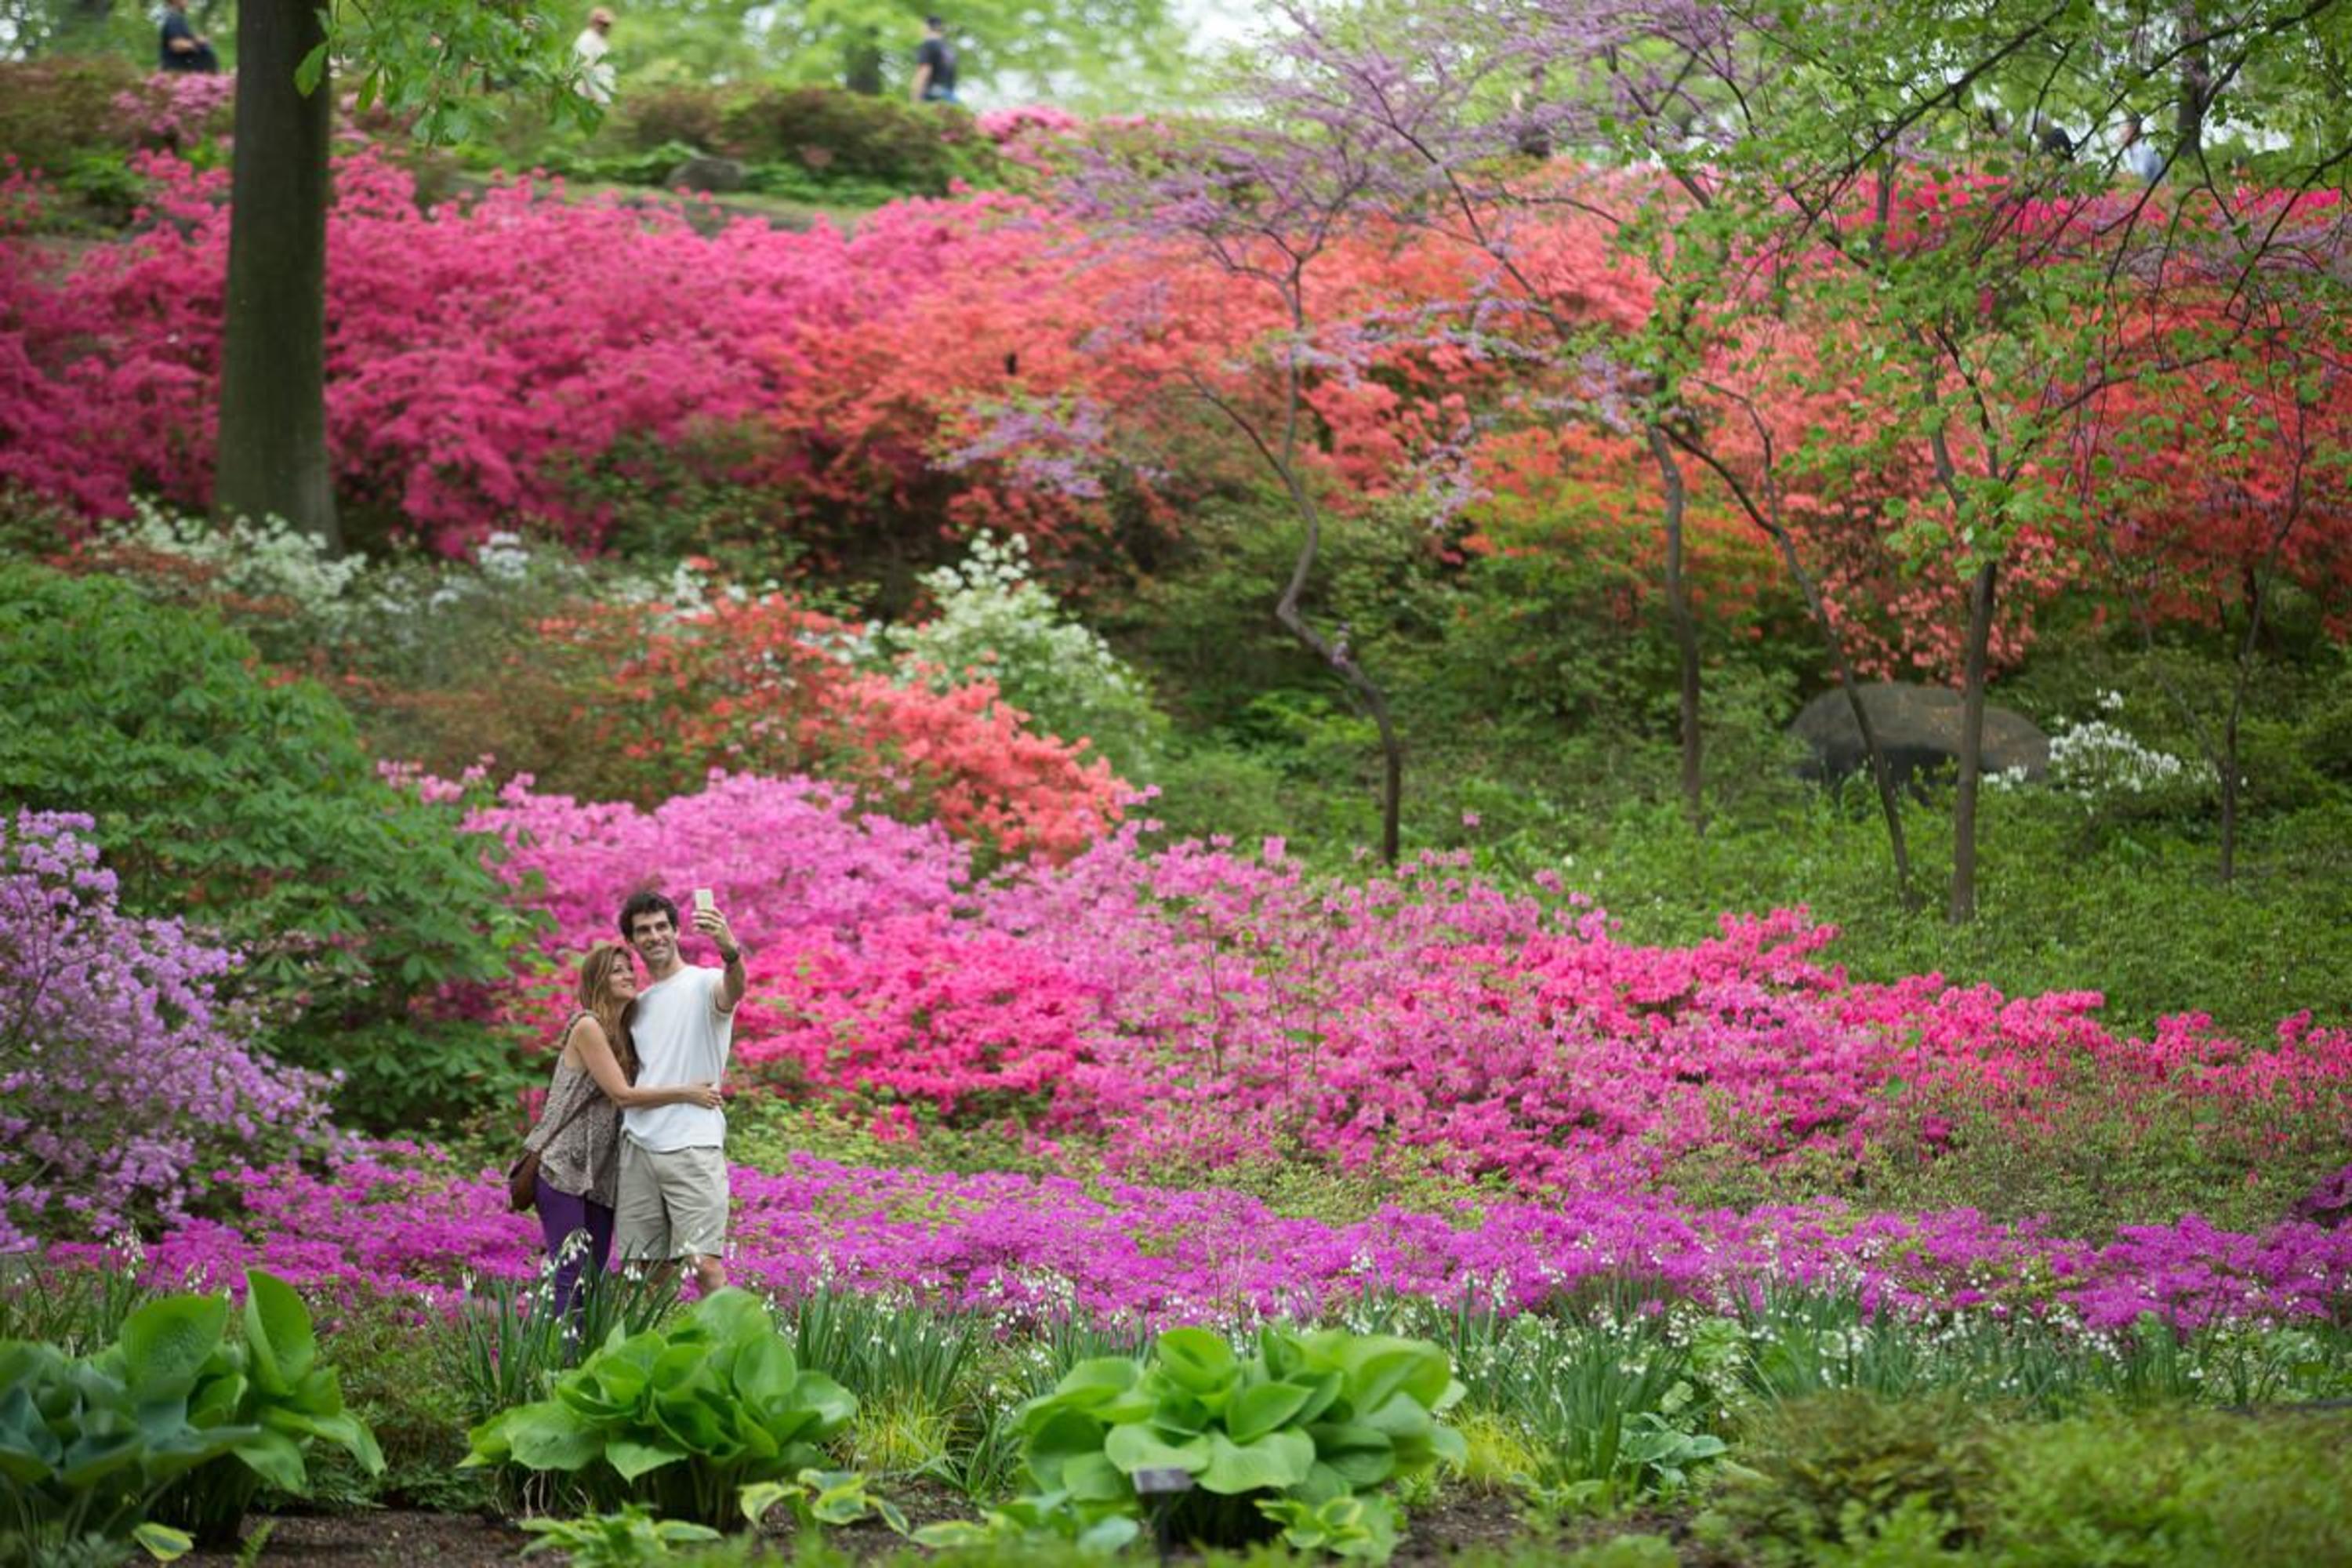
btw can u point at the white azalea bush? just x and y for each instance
(995, 622)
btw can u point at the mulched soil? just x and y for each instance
(408, 1537)
(416, 1539)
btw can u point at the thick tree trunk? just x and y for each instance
(1678, 610)
(2196, 88)
(273, 407)
(1977, 661)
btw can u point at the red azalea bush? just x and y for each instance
(665, 695)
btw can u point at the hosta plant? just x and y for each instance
(619, 1540)
(165, 1436)
(682, 1418)
(266, 1382)
(816, 1499)
(1304, 1437)
(88, 1444)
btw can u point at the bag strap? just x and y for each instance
(583, 1103)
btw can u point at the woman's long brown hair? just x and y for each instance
(596, 996)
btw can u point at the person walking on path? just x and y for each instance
(578, 1132)
(182, 48)
(673, 1181)
(935, 64)
(590, 50)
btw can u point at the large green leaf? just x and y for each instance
(1060, 1438)
(1254, 1412)
(1276, 1461)
(1138, 1445)
(1092, 1478)
(1197, 1361)
(342, 1429)
(277, 1334)
(1361, 1455)
(165, 1343)
(831, 1407)
(1093, 1383)
(547, 1437)
(276, 1458)
(631, 1458)
(765, 1372)
(1381, 1366)
(733, 1316)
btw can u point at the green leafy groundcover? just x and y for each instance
(682, 1419)
(1303, 1436)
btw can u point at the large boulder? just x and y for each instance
(1919, 728)
(709, 176)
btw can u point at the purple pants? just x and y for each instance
(562, 1214)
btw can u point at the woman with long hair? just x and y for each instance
(579, 1131)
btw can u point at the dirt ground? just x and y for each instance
(414, 1538)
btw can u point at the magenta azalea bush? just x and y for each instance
(1034, 1250)
(125, 1082)
(1197, 1008)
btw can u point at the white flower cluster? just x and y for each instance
(995, 622)
(271, 559)
(2095, 759)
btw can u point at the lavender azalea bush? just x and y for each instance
(125, 1082)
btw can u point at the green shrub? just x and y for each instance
(1303, 1434)
(682, 1420)
(393, 1353)
(834, 135)
(843, 133)
(1821, 1471)
(230, 795)
(2171, 1488)
(52, 111)
(674, 117)
(87, 1444)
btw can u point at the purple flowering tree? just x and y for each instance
(1465, 108)
(1267, 207)
(123, 1082)
(1900, 174)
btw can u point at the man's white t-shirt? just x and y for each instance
(681, 1037)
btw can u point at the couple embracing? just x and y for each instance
(630, 1142)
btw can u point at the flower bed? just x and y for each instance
(1031, 1247)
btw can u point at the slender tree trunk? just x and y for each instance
(1343, 662)
(1765, 514)
(273, 407)
(2242, 680)
(1678, 610)
(1973, 675)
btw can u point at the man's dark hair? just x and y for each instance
(939, 22)
(646, 903)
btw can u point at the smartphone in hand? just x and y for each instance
(703, 903)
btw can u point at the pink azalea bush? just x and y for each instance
(177, 109)
(506, 359)
(1196, 1009)
(1026, 1248)
(126, 1080)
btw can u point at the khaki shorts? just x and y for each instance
(672, 1203)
